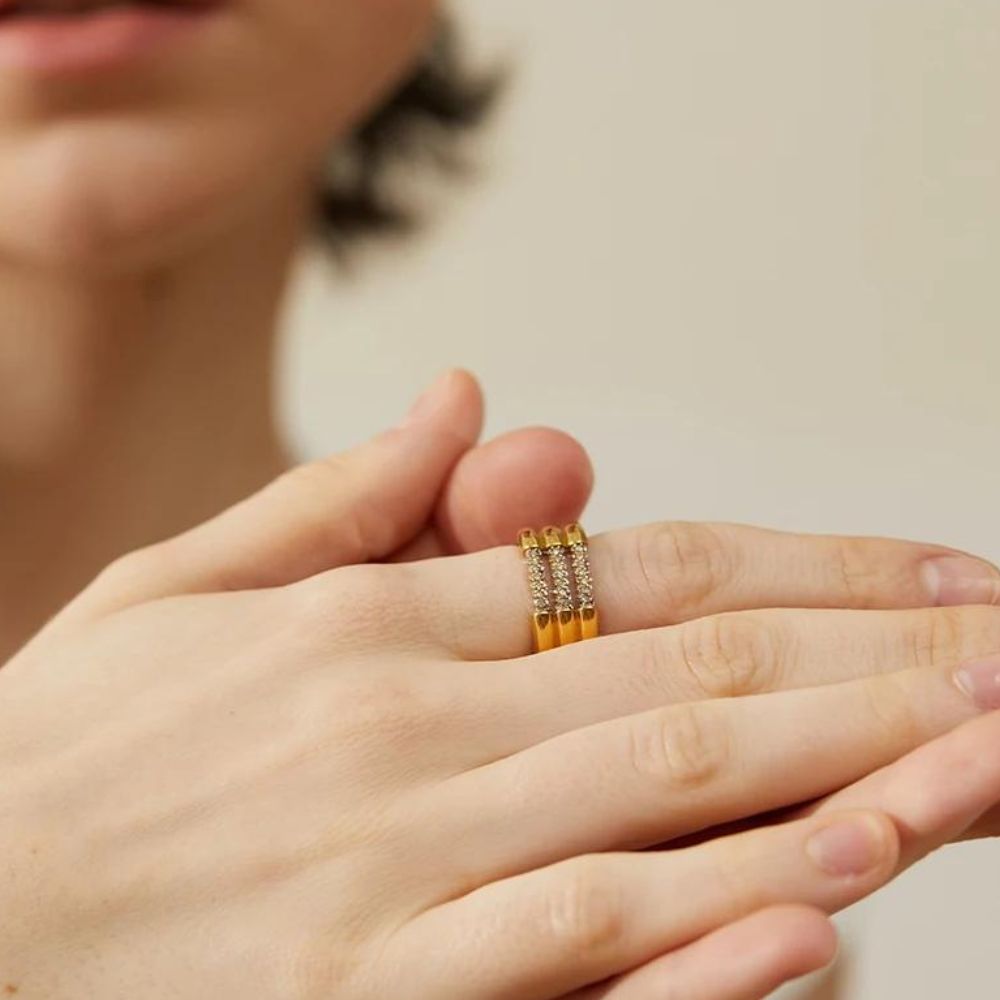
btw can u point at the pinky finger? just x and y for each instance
(746, 960)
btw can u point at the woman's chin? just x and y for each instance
(58, 231)
(98, 207)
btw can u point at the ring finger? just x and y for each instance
(661, 574)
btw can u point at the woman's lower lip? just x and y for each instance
(66, 44)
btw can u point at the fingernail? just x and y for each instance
(849, 847)
(428, 404)
(981, 682)
(957, 580)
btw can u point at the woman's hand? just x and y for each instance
(358, 784)
(423, 489)
(929, 794)
(444, 493)
(426, 488)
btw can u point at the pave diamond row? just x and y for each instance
(584, 579)
(562, 582)
(537, 581)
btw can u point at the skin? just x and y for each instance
(148, 220)
(104, 172)
(205, 859)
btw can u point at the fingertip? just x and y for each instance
(807, 939)
(454, 403)
(891, 838)
(937, 792)
(567, 457)
(531, 476)
(860, 845)
(561, 476)
(468, 388)
(749, 958)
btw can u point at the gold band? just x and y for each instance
(564, 612)
(567, 625)
(543, 625)
(586, 606)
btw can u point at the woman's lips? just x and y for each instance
(56, 39)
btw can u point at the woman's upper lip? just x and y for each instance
(83, 6)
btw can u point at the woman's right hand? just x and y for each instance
(360, 785)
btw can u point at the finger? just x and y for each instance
(726, 656)
(649, 778)
(578, 923)
(746, 960)
(937, 792)
(532, 476)
(351, 508)
(668, 573)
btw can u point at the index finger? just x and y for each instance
(934, 793)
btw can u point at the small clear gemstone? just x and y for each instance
(584, 580)
(537, 582)
(562, 583)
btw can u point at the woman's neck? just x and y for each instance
(131, 408)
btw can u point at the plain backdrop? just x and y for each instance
(748, 253)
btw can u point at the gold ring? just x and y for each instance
(562, 586)
(586, 604)
(555, 548)
(543, 625)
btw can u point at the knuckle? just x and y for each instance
(947, 636)
(152, 561)
(935, 637)
(857, 571)
(359, 529)
(677, 748)
(584, 913)
(730, 655)
(682, 562)
(977, 631)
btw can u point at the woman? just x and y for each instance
(288, 753)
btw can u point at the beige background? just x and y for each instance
(747, 252)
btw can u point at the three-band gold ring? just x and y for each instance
(564, 609)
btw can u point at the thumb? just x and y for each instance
(350, 508)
